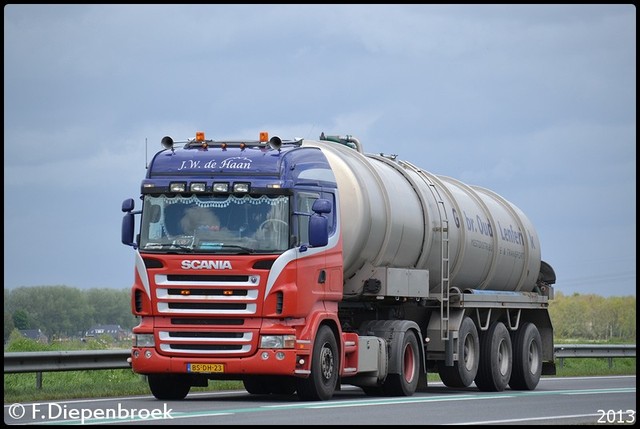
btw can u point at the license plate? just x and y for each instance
(205, 367)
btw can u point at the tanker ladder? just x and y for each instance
(444, 260)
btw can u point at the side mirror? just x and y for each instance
(128, 224)
(321, 206)
(319, 224)
(128, 205)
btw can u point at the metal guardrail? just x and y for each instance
(609, 351)
(39, 362)
(65, 360)
(595, 350)
(15, 362)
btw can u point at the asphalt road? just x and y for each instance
(580, 400)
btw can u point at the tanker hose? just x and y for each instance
(348, 140)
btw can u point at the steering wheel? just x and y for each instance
(275, 221)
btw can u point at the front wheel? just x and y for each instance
(325, 364)
(169, 386)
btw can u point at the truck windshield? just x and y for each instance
(214, 224)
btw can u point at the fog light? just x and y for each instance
(147, 354)
(136, 354)
(279, 355)
(265, 355)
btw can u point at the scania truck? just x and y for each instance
(300, 266)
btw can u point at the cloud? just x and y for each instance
(535, 102)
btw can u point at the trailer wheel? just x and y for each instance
(325, 364)
(169, 386)
(527, 358)
(464, 370)
(496, 361)
(405, 383)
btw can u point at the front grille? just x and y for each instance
(206, 278)
(192, 299)
(205, 335)
(206, 322)
(205, 306)
(207, 342)
(201, 292)
(207, 347)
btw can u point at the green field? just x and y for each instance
(123, 382)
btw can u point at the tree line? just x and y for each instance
(593, 317)
(67, 312)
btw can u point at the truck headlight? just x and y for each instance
(144, 340)
(277, 341)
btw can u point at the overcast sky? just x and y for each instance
(535, 102)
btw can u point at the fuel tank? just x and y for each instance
(396, 215)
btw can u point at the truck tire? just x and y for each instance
(405, 383)
(465, 369)
(325, 367)
(496, 359)
(527, 358)
(169, 386)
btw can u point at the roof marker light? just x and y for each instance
(264, 136)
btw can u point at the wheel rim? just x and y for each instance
(326, 362)
(503, 358)
(409, 364)
(534, 357)
(468, 353)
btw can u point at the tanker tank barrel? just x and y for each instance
(396, 215)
